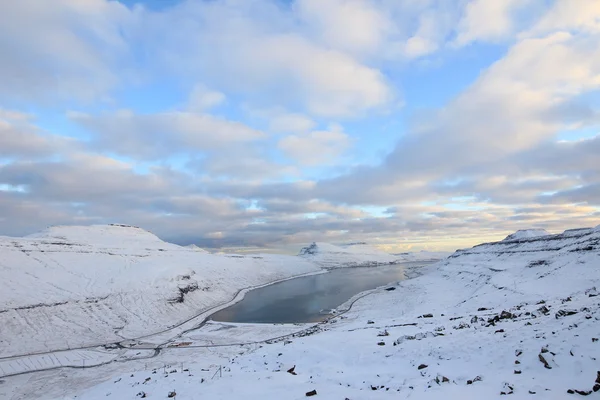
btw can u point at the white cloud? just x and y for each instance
(316, 148)
(280, 120)
(202, 98)
(569, 15)
(258, 51)
(290, 122)
(355, 26)
(486, 20)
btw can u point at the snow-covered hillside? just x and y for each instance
(350, 255)
(515, 318)
(76, 286)
(79, 286)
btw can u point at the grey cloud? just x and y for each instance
(588, 194)
(154, 136)
(19, 139)
(61, 50)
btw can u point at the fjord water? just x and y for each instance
(309, 298)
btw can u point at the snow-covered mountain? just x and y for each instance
(526, 234)
(512, 319)
(77, 286)
(350, 255)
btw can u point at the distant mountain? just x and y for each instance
(423, 255)
(196, 248)
(350, 255)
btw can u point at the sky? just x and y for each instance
(263, 125)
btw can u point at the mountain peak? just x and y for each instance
(526, 234)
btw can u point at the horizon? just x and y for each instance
(265, 125)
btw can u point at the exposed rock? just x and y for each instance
(544, 310)
(172, 394)
(507, 389)
(311, 393)
(543, 361)
(291, 370)
(564, 313)
(580, 392)
(506, 315)
(462, 325)
(427, 315)
(422, 366)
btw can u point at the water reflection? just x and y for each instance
(303, 299)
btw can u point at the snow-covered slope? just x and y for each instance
(513, 319)
(350, 255)
(77, 286)
(526, 234)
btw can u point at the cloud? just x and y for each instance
(151, 136)
(21, 139)
(349, 25)
(316, 147)
(257, 48)
(68, 49)
(488, 21)
(202, 98)
(574, 16)
(288, 122)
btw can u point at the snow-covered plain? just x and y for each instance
(518, 318)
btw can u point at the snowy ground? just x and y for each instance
(518, 318)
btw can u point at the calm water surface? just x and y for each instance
(309, 298)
